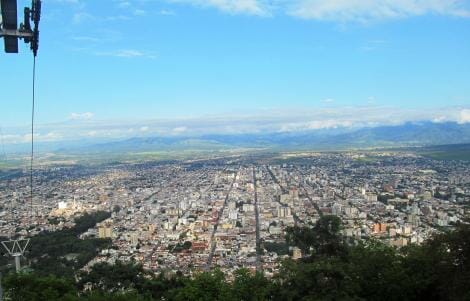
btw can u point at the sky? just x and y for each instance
(122, 68)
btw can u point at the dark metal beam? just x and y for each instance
(9, 14)
(11, 44)
(10, 22)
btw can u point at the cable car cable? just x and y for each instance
(33, 108)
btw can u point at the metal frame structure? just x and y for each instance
(16, 249)
(10, 31)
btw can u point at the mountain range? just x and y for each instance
(404, 135)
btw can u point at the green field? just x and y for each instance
(450, 155)
(447, 152)
(97, 158)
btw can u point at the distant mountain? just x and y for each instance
(409, 134)
(424, 133)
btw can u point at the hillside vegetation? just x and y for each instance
(331, 269)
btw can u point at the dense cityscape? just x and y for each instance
(233, 212)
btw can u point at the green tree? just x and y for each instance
(377, 271)
(113, 278)
(328, 239)
(301, 237)
(207, 286)
(324, 279)
(161, 287)
(250, 287)
(127, 296)
(31, 287)
(116, 208)
(440, 268)
(48, 250)
(324, 238)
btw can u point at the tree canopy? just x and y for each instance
(330, 269)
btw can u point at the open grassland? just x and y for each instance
(450, 155)
(447, 152)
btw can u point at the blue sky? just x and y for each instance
(113, 68)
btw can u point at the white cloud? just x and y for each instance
(124, 4)
(91, 134)
(81, 116)
(317, 125)
(127, 53)
(323, 10)
(38, 137)
(67, 1)
(328, 100)
(11, 139)
(85, 39)
(265, 121)
(180, 130)
(166, 12)
(51, 136)
(440, 119)
(464, 116)
(459, 115)
(250, 7)
(81, 17)
(117, 18)
(373, 10)
(139, 12)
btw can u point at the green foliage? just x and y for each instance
(31, 287)
(122, 277)
(249, 287)
(113, 278)
(187, 245)
(441, 266)
(99, 296)
(207, 286)
(22, 287)
(377, 272)
(53, 221)
(87, 221)
(301, 237)
(161, 287)
(179, 247)
(462, 155)
(116, 208)
(324, 239)
(323, 279)
(437, 270)
(48, 250)
(278, 248)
